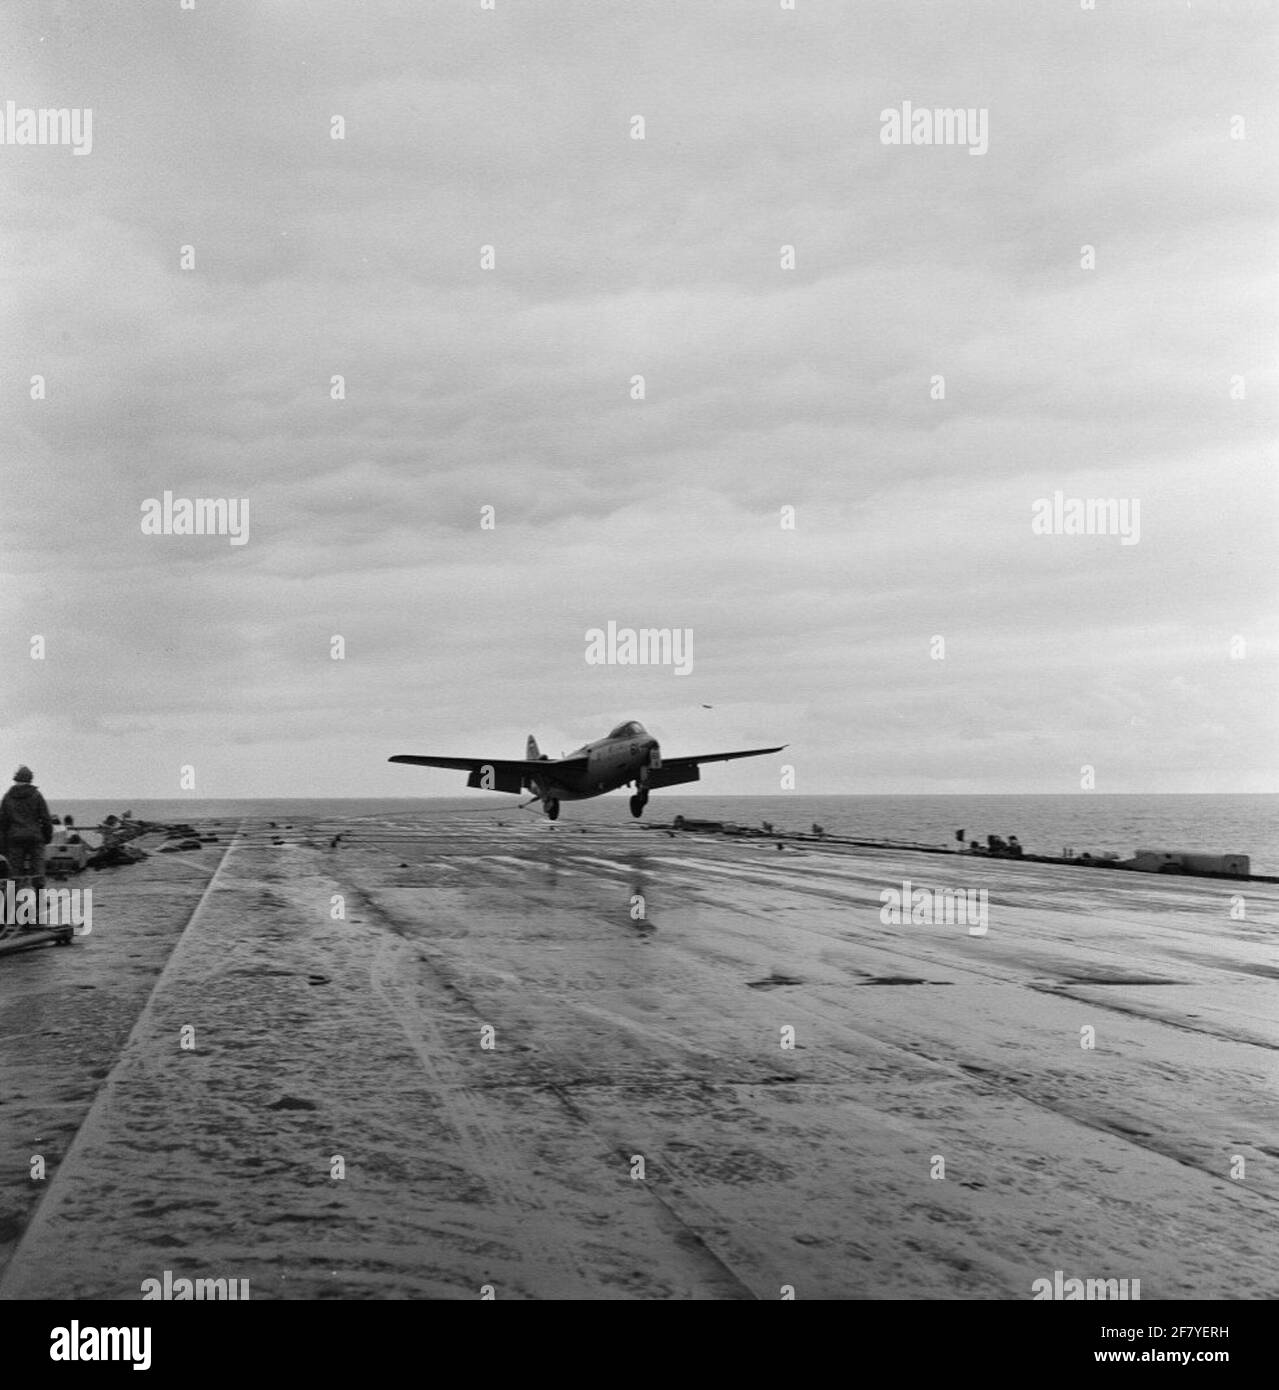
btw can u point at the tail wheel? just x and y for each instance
(552, 810)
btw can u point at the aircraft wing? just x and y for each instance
(499, 774)
(719, 757)
(674, 771)
(516, 767)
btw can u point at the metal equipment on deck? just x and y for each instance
(15, 933)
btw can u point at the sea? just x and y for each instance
(1049, 824)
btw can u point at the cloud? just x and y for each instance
(764, 388)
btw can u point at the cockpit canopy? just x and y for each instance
(631, 729)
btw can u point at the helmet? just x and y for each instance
(23, 774)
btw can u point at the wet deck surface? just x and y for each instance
(355, 1046)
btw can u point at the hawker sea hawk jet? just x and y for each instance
(628, 756)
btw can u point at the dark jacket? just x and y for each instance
(24, 815)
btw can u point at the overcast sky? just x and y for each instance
(765, 388)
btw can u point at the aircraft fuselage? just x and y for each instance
(610, 763)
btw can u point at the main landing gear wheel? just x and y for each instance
(638, 802)
(552, 809)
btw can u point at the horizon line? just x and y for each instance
(683, 796)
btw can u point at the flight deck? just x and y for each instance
(423, 1058)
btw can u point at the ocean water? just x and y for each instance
(1241, 824)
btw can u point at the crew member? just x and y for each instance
(25, 828)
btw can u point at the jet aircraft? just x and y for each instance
(629, 755)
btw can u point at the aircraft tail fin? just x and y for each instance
(530, 751)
